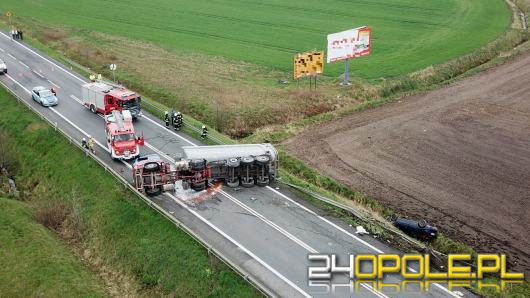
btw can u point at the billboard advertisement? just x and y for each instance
(349, 44)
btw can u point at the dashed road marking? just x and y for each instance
(22, 63)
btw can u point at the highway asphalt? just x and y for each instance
(267, 231)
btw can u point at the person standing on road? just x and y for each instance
(20, 35)
(84, 143)
(204, 133)
(166, 119)
(13, 33)
(91, 144)
(178, 121)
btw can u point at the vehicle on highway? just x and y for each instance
(241, 164)
(3, 67)
(121, 140)
(44, 96)
(151, 174)
(104, 97)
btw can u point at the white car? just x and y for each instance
(44, 96)
(3, 67)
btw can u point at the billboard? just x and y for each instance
(307, 64)
(349, 44)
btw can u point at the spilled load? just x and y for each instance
(104, 97)
(121, 139)
(246, 165)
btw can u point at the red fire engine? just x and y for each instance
(121, 140)
(104, 97)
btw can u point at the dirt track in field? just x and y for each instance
(458, 157)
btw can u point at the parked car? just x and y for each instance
(44, 96)
(3, 67)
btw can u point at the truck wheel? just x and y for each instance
(262, 159)
(233, 184)
(248, 184)
(233, 162)
(151, 167)
(199, 186)
(93, 109)
(422, 223)
(247, 160)
(153, 191)
(262, 183)
(197, 165)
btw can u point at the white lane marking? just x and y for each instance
(351, 235)
(325, 220)
(171, 131)
(259, 260)
(40, 56)
(270, 223)
(11, 56)
(2, 50)
(22, 63)
(76, 99)
(54, 84)
(37, 73)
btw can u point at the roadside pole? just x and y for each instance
(345, 80)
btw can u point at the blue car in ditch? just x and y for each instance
(44, 96)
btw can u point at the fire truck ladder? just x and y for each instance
(118, 118)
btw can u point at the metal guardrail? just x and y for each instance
(210, 249)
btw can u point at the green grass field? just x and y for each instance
(35, 262)
(407, 34)
(125, 239)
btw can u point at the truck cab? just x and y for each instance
(121, 139)
(104, 97)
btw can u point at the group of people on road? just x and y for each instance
(174, 119)
(17, 34)
(89, 145)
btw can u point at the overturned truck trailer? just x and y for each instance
(245, 164)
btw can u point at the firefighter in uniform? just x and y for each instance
(91, 144)
(204, 133)
(166, 118)
(84, 144)
(173, 115)
(178, 121)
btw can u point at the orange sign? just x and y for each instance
(8, 14)
(308, 64)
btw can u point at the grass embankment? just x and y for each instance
(225, 71)
(133, 248)
(35, 262)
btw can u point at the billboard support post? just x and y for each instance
(345, 80)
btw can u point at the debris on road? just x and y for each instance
(361, 230)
